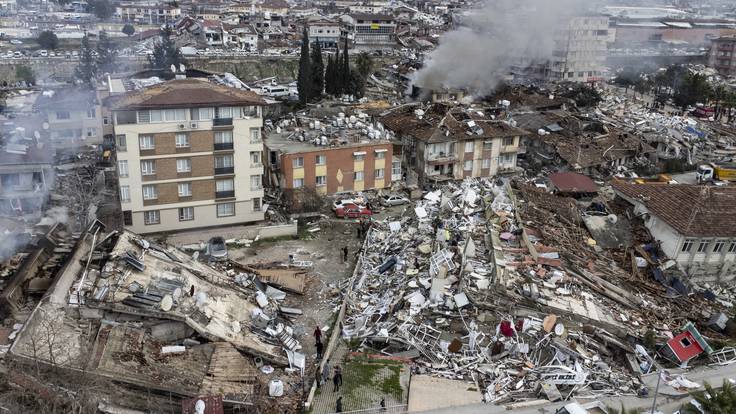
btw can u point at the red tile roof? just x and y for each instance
(570, 182)
(185, 93)
(692, 210)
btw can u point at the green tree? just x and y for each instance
(718, 94)
(318, 71)
(128, 30)
(25, 73)
(103, 9)
(334, 77)
(329, 73)
(165, 52)
(343, 72)
(107, 53)
(364, 64)
(713, 401)
(693, 88)
(48, 40)
(304, 79)
(86, 71)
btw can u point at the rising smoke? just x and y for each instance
(492, 39)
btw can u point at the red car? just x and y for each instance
(352, 211)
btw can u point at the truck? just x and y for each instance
(716, 172)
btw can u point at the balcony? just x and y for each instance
(509, 148)
(223, 146)
(440, 158)
(222, 122)
(224, 170)
(225, 194)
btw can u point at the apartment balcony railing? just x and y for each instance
(223, 146)
(222, 122)
(224, 170)
(225, 194)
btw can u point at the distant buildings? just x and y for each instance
(73, 116)
(580, 50)
(325, 32)
(371, 31)
(26, 177)
(189, 156)
(147, 12)
(722, 55)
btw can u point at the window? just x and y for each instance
(685, 342)
(687, 245)
(255, 182)
(225, 185)
(127, 218)
(703, 246)
(487, 145)
(146, 142)
(225, 209)
(173, 114)
(396, 168)
(581, 74)
(486, 163)
(507, 158)
(182, 140)
(122, 168)
(121, 143)
(297, 162)
(151, 217)
(468, 165)
(321, 180)
(224, 137)
(358, 176)
(508, 141)
(91, 113)
(224, 161)
(224, 112)
(718, 246)
(62, 115)
(255, 158)
(202, 114)
(732, 247)
(469, 145)
(183, 165)
(150, 192)
(186, 214)
(359, 156)
(298, 183)
(91, 132)
(185, 189)
(380, 155)
(378, 173)
(105, 120)
(125, 194)
(570, 74)
(257, 204)
(320, 159)
(148, 167)
(255, 135)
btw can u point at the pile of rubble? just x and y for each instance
(509, 291)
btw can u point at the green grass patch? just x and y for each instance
(378, 374)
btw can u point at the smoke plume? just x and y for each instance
(493, 39)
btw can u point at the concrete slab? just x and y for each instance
(429, 393)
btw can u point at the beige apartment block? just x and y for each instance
(189, 156)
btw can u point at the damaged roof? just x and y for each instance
(570, 182)
(692, 210)
(184, 93)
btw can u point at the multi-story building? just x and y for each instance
(371, 31)
(189, 156)
(74, 116)
(147, 13)
(722, 55)
(326, 32)
(26, 177)
(580, 50)
(349, 163)
(242, 36)
(443, 143)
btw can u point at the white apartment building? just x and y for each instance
(73, 116)
(580, 50)
(189, 156)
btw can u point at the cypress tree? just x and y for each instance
(345, 71)
(329, 71)
(336, 72)
(318, 71)
(304, 79)
(86, 71)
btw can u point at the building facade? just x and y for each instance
(325, 32)
(722, 55)
(371, 31)
(189, 156)
(147, 13)
(352, 167)
(74, 116)
(580, 50)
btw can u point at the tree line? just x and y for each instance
(337, 78)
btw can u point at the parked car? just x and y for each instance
(393, 200)
(340, 203)
(353, 211)
(216, 249)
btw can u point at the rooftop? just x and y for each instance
(570, 182)
(183, 93)
(692, 210)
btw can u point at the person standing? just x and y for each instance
(338, 405)
(326, 372)
(383, 404)
(337, 379)
(345, 254)
(319, 350)
(317, 334)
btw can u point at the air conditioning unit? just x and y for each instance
(193, 125)
(182, 126)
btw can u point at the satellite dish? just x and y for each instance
(173, 68)
(182, 69)
(45, 125)
(166, 303)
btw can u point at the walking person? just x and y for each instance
(319, 350)
(337, 379)
(383, 404)
(326, 372)
(317, 334)
(338, 405)
(345, 254)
